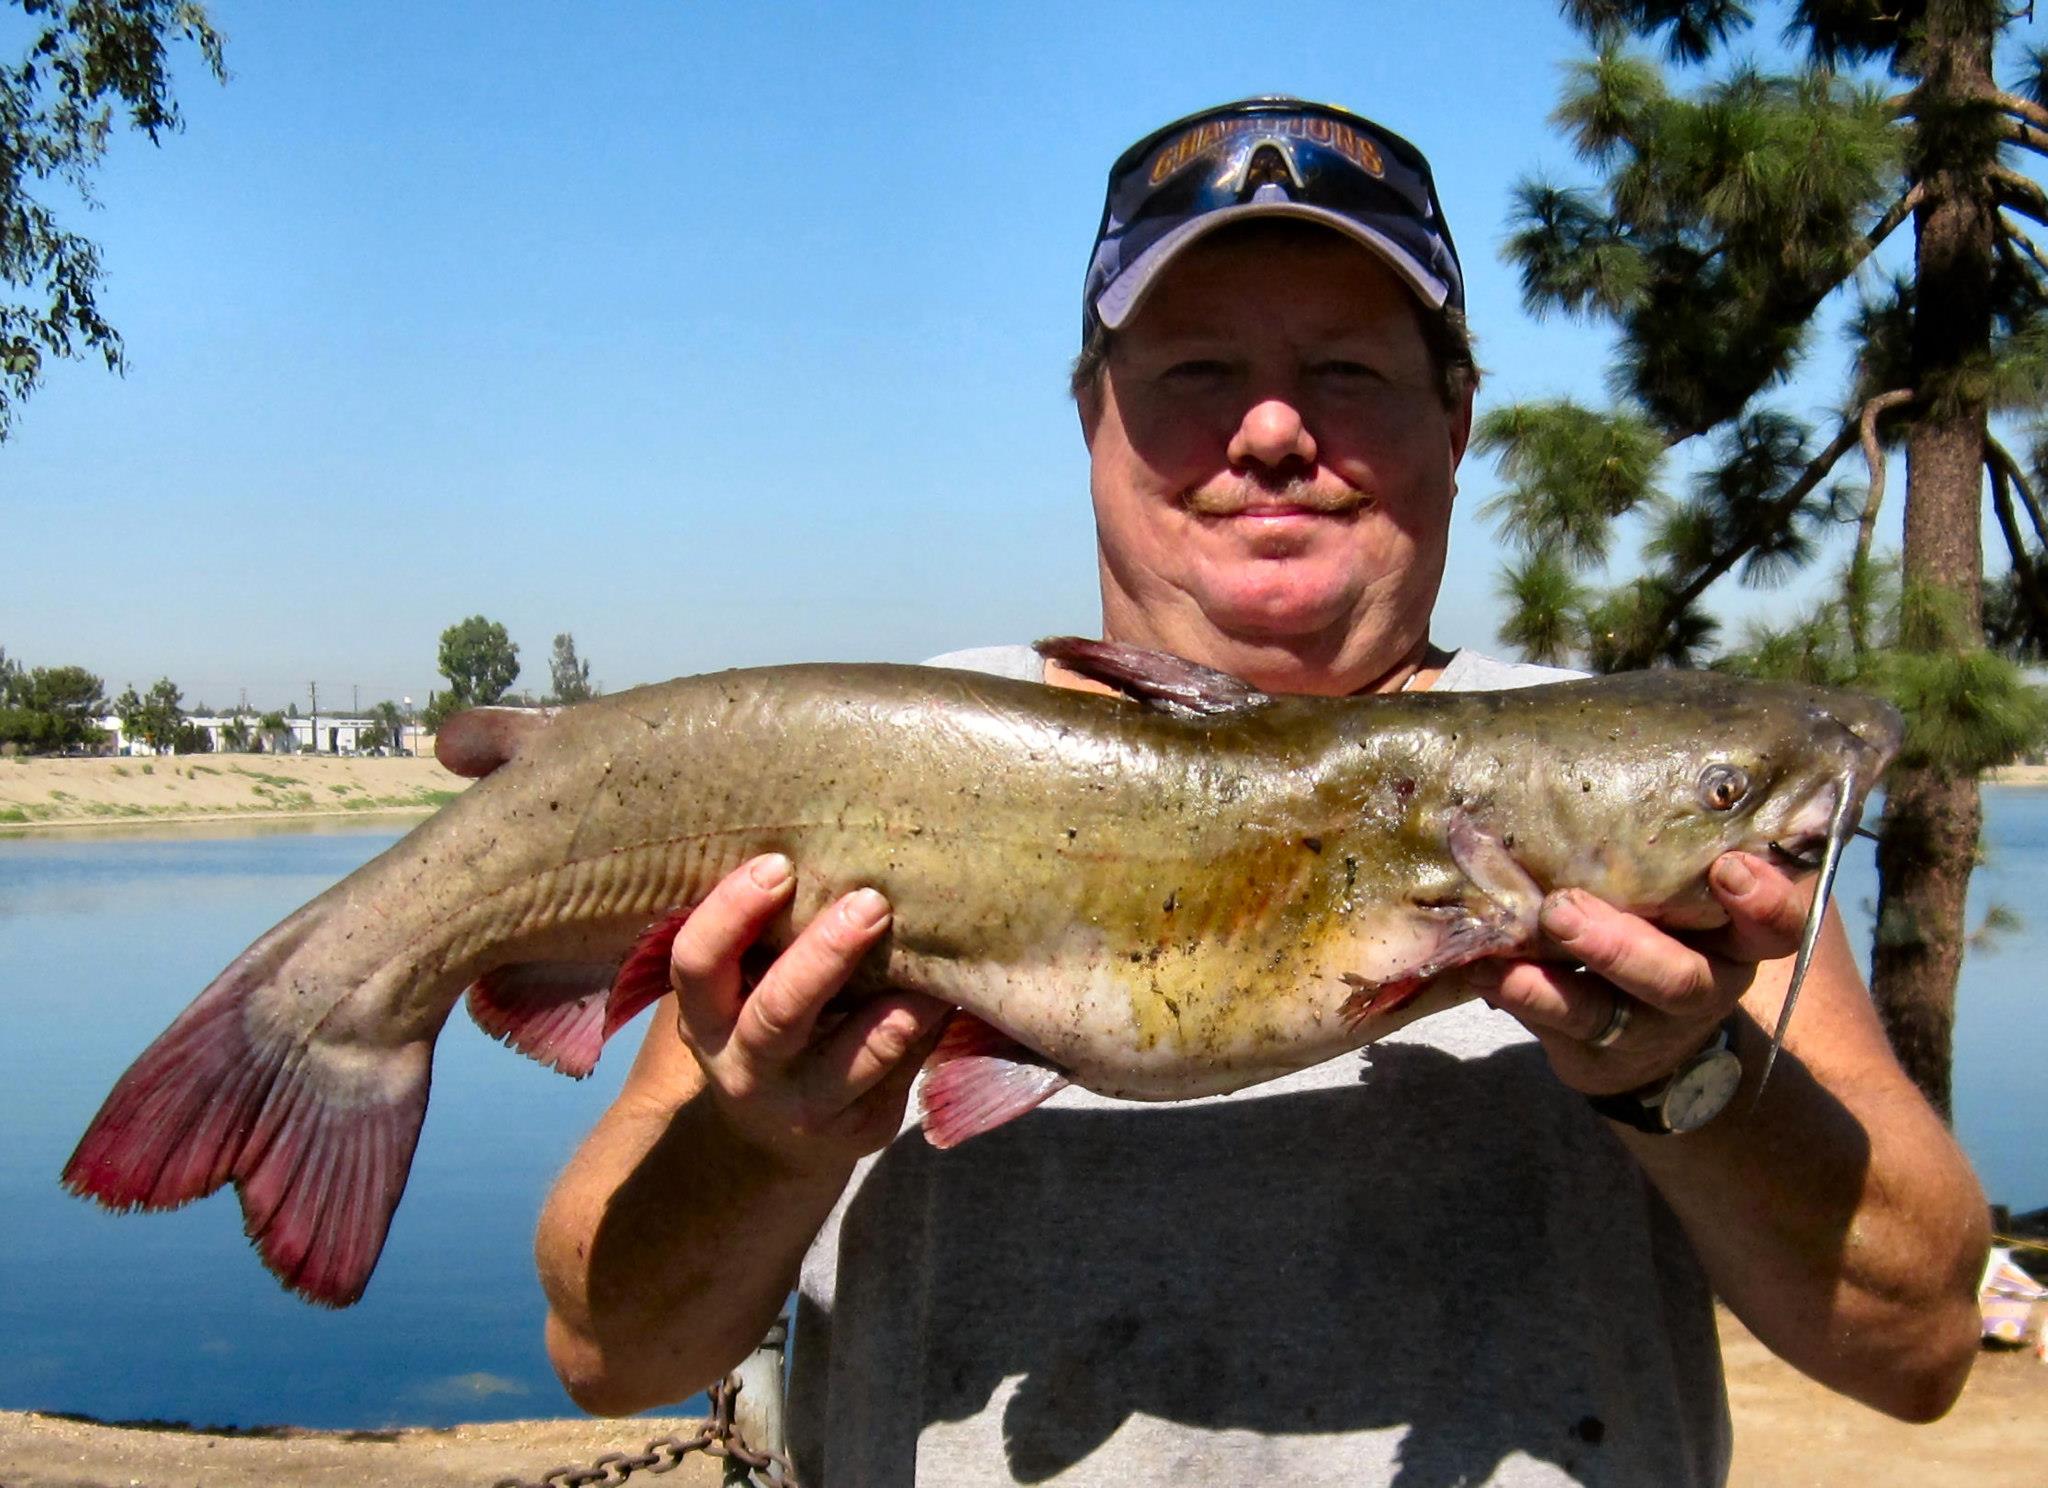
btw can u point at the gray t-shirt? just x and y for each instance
(1427, 1264)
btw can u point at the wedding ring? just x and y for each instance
(1617, 1024)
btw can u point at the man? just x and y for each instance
(1431, 1263)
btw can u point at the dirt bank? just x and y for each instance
(39, 793)
(1789, 1433)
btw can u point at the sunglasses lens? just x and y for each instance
(1273, 151)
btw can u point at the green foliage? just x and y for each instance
(46, 710)
(1966, 711)
(154, 718)
(1724, 218)
(1626, 628)
(1695, 27)
(1548, 621)
(479, 661)
(569, 677)
(390, 732)
(1572, 471)
(86, 58)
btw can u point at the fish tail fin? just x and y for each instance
(643, 976)
(550, 1011)
(318, 1149)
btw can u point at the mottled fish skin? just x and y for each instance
(1162, 905)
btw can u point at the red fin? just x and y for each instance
(643, 976)
(476, 741)
(319, 1149)
(552, 1011)
(1502, 921)
(977, 1079)
(1154, 678)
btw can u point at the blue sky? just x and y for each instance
(714, 334)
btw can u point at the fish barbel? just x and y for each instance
(1178, 892)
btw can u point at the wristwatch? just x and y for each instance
(1684, 1100)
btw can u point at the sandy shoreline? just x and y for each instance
(1788, 1431)
(47, 793)
(56, 793)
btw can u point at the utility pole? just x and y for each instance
(355, 699)
(313, 688)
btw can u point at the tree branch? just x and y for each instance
(2016, 191)
(1999, 455)
(2020, 133)
(1873, 457)
(1861, 427)
(2014, 235)
(1900, 211)
(2024, 108)
(2023, 569)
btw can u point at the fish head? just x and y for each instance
(1666, 771)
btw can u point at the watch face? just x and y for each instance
(1702, 1091)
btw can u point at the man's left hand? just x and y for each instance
(1641, 1001)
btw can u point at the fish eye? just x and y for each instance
(1722, 787)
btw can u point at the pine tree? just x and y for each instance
(1728, 224)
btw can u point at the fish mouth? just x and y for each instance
(1802, 841)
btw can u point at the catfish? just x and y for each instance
(1179, 891)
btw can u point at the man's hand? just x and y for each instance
(810, 1094)
(1657, 999)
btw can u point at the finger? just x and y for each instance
(704, 962)
(776, 1020)
(1549, 998)
(878, 1114)
(1766, 908)
(872, 1042)
(1630, 952)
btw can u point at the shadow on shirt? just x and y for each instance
(1455, 1254)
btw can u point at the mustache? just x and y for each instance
(1303, 495)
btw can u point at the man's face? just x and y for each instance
(1272, 460)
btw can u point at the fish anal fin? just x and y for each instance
(318, 1147)
(977, 1079)
(552, 1011)
(476, 741)
(1157, 680)
(1499, 920)
(642, 978)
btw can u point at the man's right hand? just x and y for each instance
(808, 1093)
(677, 1229)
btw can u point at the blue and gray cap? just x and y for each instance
(1267, 157)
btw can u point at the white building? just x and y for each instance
(338, 734)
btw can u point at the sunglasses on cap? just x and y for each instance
(1267, 157)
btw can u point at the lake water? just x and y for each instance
(104, 939)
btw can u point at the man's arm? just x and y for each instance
(675, 1232)
(1836, 1215)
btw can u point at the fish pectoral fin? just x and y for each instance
(552, 1011)
(1497, 920)
(1165, 683)
(978, 1078)
(643, 976)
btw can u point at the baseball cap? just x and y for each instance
(1271, 156)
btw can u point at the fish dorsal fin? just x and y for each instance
(477, 740)
(1154, 678)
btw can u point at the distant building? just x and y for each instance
(339, 734)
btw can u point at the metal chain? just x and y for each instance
(718, 1437)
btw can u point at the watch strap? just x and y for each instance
(1643, 1107)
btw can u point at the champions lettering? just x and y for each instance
(1338, 136)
